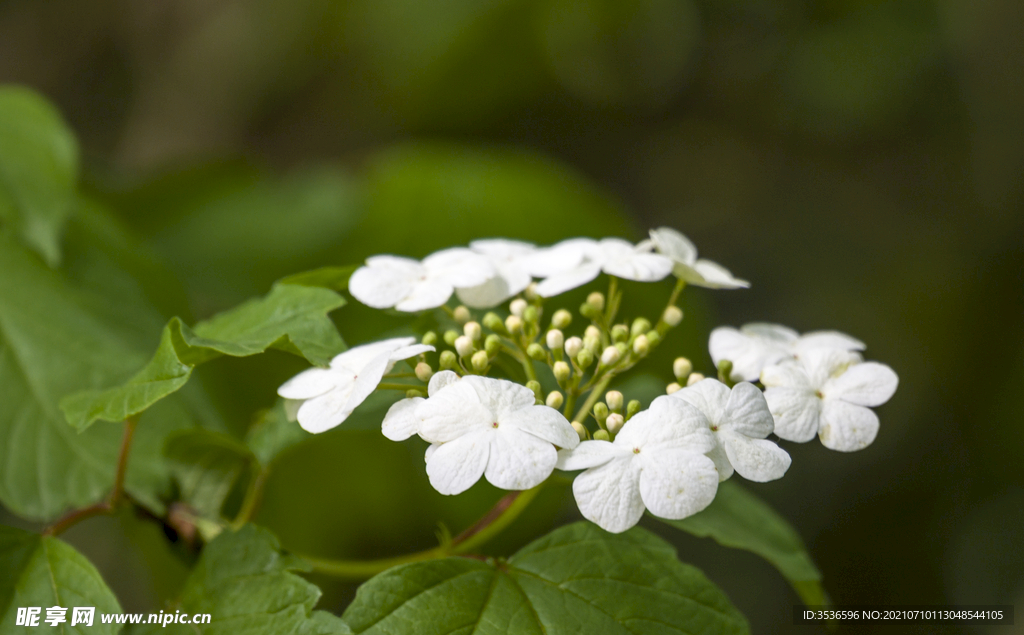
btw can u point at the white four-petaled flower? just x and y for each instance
(657, 461)
(411, 285)
(583, 259)
(698, 272)
(828, 392)
(740, 420)
(329, 395)
(755, 346)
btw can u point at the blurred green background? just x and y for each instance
(859, 161)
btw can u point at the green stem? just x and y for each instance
(680, 285)
(612, 305)
(592, 398)
(403, 387)
(252, 499)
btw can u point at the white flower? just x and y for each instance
(331, 394)
(580, 260)
(402, 421)
(828, 392)
(656, 462)
(489, 427)
(410, 285)
(701, 273)
(740, 420)
(754, 346)
(511, 261)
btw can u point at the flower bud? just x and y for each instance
(534, 385)
(610, 356)
(623, 348)
(614, 423)
(461, 314)
(561, 319)
(514, 324)
(494, 323)
(464, 346)
(602, 435)
(448, 361)
(682, 368)
(640, 325)
(620, 333)
(724, 371)
(480, 361)
(409, 394)
(473, 331)
(653, 338)
(562, 371)
(450, 336)
(429, 338)
(492, 344)
(573, 346)
(585, 358)
(672, 316)
(531, 291)
(588, 311)
(694, 378)
(581, 430)
(641, 346)
(600, 412)
(555, 339)
(673, 387)
(596, 300)
(592, 344)
(517, 307)
(536, 351)
(614, 400)
(555, 399)
(632, 408)
(531, 315)
(592, 331)
(424, 372)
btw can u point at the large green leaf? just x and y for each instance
(245, 583)
(291, 318)
(578, 579)
(738, 519)
(43, 571)
(38, 170)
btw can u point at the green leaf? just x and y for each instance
(578, 579)
(38, 170)
(273, 433)
(43, 571)
(738, 519)
(290, 318)
(207, 465)
(245, 583)
(335, 278)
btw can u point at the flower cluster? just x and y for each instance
(552, 406)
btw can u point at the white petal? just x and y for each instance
(772, 332)
(426, 294)
(385, 281)
(796, 411)
(322, 413)
(518, 460)
(500, 396)
(559, 258)
(749, 353)
(454, 467)
(568, 280)
(366, 381)
(502, 249)
(866, 384)
(757, 460)
(311, 383)
(674, 245)
(823, 364)
(721, 461)
(624, 260)
(715, 276)
(441, 379)
(545, 423)
(401, 421)
(459, 267)
(668, 423)
(410, 351)
(590, 454)
(787, 374)
(487, 295)
(430, 451)
(675, 484)
(609, 495)
(355, 358)
(747, 412)
(452, 412)
(846, 427)
(710, 396)
(828, 339)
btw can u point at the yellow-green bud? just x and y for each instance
(531, 292)
(620, 333)
(641, 346)
(555, 399)
(653, 338)
(555, 339)
(495, 323)
(610, 356)
(514, 324)
(561, 319)
(602, 435)
(536, 351)
(450, 336)
(614, 400)
(480, 361)
(600, 412)
(623, 348)
(632, 408)
(585, 358)
(694, 378)
(464, 346)
(682, 368)
(424, 372)
(448, 360)
(596, 300)
(672, 316)
(562, 371)
(581, 430)
(534, 385)
(673, 387)
(589, 311)
(592, 344)
(592, 331)
(517, 306)
(461, 314)
(429, 338)
(614, 423)
(724, 371)
(492, 344)
(473, 331)
(640, 325)
(531, 315)
(573, 346)
(409, 394)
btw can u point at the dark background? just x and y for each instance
(859, 161)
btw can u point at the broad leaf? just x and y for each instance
(245, 583)
(335, 278)
(578, 579)
(207, 465)
(738, 519)
(290, 318)
(273, 433)
(43, 571)
(38, 170)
